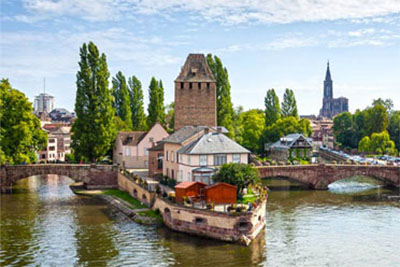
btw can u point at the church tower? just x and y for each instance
(328, 90)
(195, 94)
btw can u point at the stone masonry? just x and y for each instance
(320, 176)
(195, 94)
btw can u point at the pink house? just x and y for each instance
(131, 148)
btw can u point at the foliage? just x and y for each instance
(139, 122)
(394, 128)
(365, 144)
(224, 103)
(343, 129)
(20, 134)
(122, 102)
(69, 158)
(289, 106)
(170, 117)
(93, 129)
(379, 143)
(156, 103)
(377, 119)
(253, 122)
(387, 103)
(272, 108)
(120, 125)
(238, 124)
(241, 175)
(285, 126)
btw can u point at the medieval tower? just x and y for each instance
(195, 94)
(332, 106)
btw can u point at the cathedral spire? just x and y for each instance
(328, 73)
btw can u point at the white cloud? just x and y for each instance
(223, 11)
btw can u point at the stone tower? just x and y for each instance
(195, 94)
(332, 106)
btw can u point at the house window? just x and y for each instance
(172, 156)
(208, 86)
(199, 86)
(219, 160)
(236, 158)
(159, 161)
(190, 86)
(203, 160)
(181, 85)
(167, 156)
(180, 158)
(146, 152)
(52, 148)
(127, 152)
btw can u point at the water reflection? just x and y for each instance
(44, 223)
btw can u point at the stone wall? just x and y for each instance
(135, 190)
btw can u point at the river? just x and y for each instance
(353, 224)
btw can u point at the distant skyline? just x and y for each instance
(263, 44)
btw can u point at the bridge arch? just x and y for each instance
(320, 176)
(93, 176)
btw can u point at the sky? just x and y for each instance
(263, 43)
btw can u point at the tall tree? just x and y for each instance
(344, 130)
(387, 103)
(225, 110)
(137, 107)
(155, 109)
(121, 99)
(253, 126)
(20, 132)
(93, 129)
(394, 128)
(170, 117)
(377, 119)
(289, 106)
(272, 108)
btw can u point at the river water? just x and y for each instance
(353, 224)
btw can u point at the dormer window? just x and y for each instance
(182, 85)
(199, 86)
(190, 86)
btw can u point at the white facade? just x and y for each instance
(43, 102)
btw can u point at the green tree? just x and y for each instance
(272, 108)
(376, 120)
(344, 130)
(170, 117)
(156, 106)
(359, 118)
(394, 128)
(289, 106)
(224, 103)
(387, 103)
(122, 102)
(20, 132)
(253, 126)
(365, 144)
(285, 126)
(241, 175)
(93, 129)
(238, 124)
(137, 107)
(381, 144)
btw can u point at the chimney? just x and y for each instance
(219, 130)
(206, 130)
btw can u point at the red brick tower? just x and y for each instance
(195, 94)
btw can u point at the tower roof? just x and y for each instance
(328, 74)
(195, 69)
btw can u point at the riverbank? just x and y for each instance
(123, 202)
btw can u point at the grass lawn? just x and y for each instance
(152, 214)
(125, 196)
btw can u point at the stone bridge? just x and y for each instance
(321, 175)
(93, 176)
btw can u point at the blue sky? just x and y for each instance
(264, 44)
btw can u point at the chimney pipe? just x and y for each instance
(219, 130)
(206, 130)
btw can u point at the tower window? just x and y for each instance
(181, 85)
(190, 86)
(199, 85)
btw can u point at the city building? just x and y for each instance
(193, 153)
(195, 94)
(61, 115)
(290, 146)
(332, 106)
(58, 144)
(131, 148)
(43, 103)
(323, 133)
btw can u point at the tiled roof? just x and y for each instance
(188, 184)
(290, 139)
(131, 138)
(213, 143)
(182, 134)
(195, 70)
